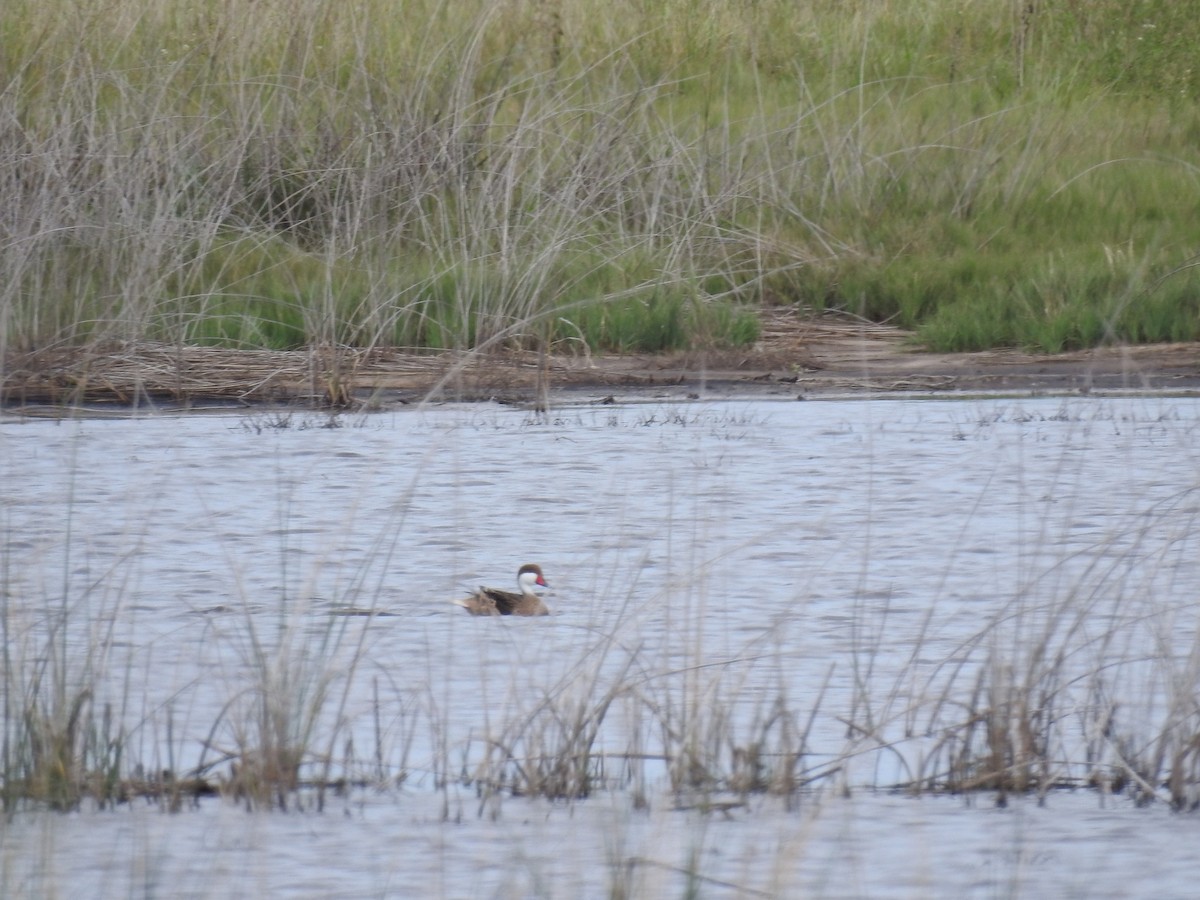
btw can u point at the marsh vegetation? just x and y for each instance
(307, 173)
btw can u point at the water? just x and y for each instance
(854, 560)
(867, 846)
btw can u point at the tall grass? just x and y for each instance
(286, 173)
(62, 740)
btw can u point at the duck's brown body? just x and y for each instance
(493, 602)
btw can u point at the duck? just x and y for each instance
(493, 602)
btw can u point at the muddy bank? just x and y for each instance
(798, 355)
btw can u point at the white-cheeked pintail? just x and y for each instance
(493, 602)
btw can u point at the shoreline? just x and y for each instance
(798, 357)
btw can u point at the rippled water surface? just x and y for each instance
(850, 562)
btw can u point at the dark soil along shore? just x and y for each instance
(797, 355)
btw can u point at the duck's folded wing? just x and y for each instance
(503, 601)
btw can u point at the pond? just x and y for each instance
(896, 647)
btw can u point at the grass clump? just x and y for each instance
(61, 743)
(274, 174)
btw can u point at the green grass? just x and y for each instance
(295, 172)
